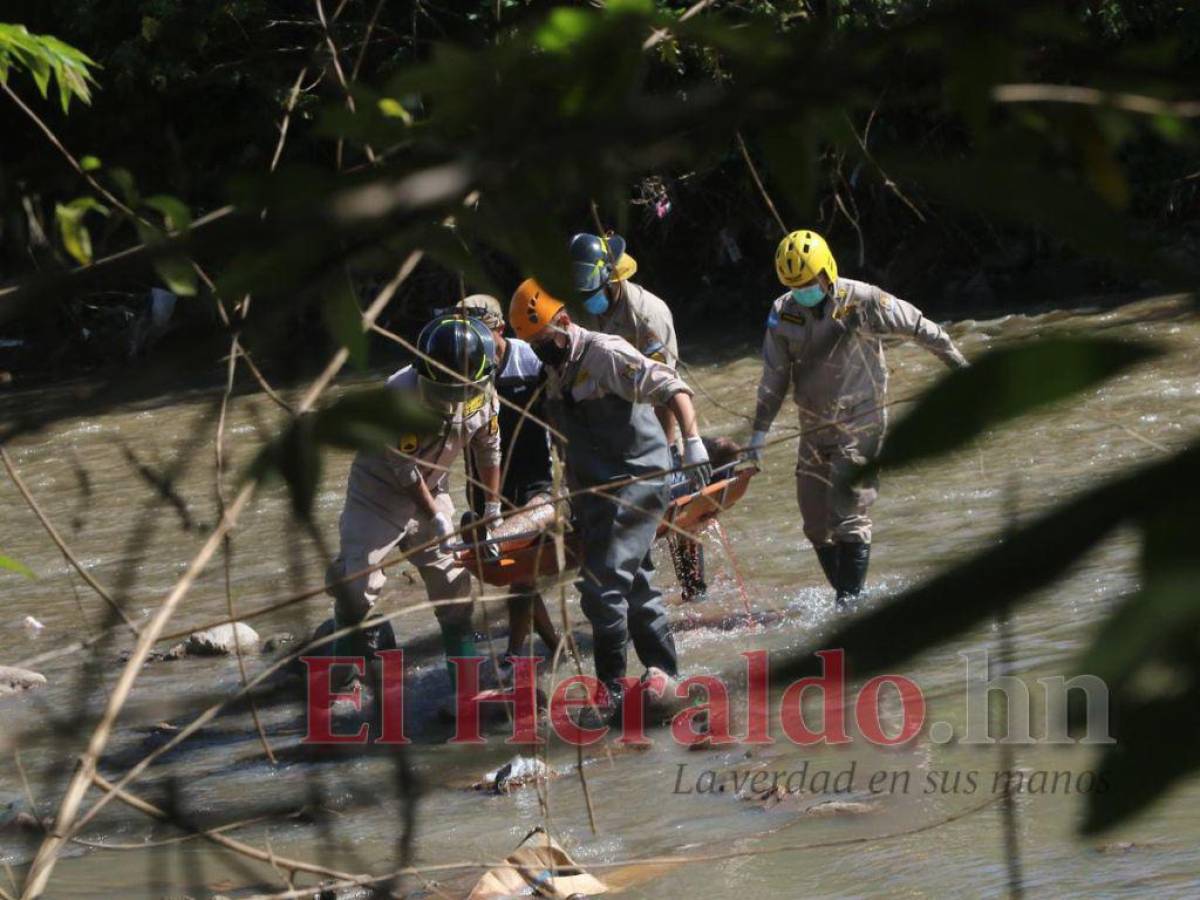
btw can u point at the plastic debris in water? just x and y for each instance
(33, 626)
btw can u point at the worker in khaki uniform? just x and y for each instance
(823, 340)
(600, 392)
(602, 270)
(400, 497)
(525, 465)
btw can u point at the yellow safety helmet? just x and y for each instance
(801, 257)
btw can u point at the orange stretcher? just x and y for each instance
(527, 557)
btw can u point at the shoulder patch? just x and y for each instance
(773, 318)
(631, 371)
(409, 443)
(885, 300)
(494, 425)
(845, 311)
(474, 405)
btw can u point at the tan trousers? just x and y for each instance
(834, 509)
(372, 525)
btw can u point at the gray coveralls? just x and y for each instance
(381, 511)
(832, 358)
(645, 320)
(601, 401)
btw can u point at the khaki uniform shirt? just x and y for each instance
(475, 424)
(600, 400)
(645, 321)
(832, 357)
(603, 364)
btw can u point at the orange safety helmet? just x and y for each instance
(532, 308)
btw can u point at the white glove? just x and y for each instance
(754, 450)
(695, 455)
(442, 529)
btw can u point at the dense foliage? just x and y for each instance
(872, 120)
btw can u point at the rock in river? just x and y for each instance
(219, 641)
(14, 680)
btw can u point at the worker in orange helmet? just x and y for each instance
(600, 396)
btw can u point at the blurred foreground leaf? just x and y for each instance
(966, 595)
(367, 420)
(1002, 385)
(13, 566)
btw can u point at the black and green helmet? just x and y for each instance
(458, 358)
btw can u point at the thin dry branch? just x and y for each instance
(1086, 96)
(216, 836)
(759, 182)
(61, 544)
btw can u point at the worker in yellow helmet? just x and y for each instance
(823, 340)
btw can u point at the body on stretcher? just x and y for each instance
(526, 554)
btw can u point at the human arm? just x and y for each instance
(695, 455)
(486, 453)
(891, 315)
(772, 387)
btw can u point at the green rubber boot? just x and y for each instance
(457, 642)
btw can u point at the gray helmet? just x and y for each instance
(593, 259)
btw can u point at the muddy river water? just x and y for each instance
(654, 803)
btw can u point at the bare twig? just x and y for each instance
(1086, 96)
(661, 34)
(215, 835)
(759, 182)
(341, 77)
(226, 544)
(61, 544)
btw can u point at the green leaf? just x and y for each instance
(1157, 745)
(1002, 385)
(13, 566)
(343, 318)
(125, 183)
(174, 269)
(76, 238)
(1168, 603)
(90, 163)
(177, 274)
(372, 419)
(394, 109)
(563, 29)
(174, 211)
(295, 458)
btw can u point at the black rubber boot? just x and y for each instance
(609, 657)
(828, 557)
(853, 559)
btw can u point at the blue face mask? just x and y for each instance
(597, 304)
(809, 296)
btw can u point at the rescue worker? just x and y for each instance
(400, 498)
(601, 271)
(600, 394)
(823, 340)
(526, 476)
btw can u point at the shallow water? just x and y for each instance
(137, 544)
